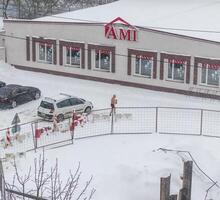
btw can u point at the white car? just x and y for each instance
(63, 106)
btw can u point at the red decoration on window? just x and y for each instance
(210, 66)
(106, 51)
(175, 61)
(144, 57)
(73, 48)
(45, 43)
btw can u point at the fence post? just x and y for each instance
(201, 122)
(2, 182)
(156, 122)
(112, 122)
(165, 188)
(71, 128)
(34, 128)
(185, 192)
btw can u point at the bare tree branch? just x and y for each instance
(49, 183)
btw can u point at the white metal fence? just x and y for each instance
(126, 120)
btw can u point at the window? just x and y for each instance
(45, 52)
(64, 103)
(75, 101)
(47, 105)
(72, 56)
(210, 74)
(143, 66)
(176, 70)
(103, 60)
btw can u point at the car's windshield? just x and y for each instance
(45, 104)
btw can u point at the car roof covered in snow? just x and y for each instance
(59, 97)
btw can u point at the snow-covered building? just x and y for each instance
(161, 45)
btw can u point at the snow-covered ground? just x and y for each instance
(129, 167)
(123, 166)
(97, 92)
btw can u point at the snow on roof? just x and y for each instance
(199, 16)
(58, 97)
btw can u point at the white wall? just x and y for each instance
(147, 40)
(2, 45)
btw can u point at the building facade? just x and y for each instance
(2, 45)
(116, 53)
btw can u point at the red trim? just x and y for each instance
(73, 48)
(144, 57)
(121, 20)
(106, 51)
(210, 66)
(46, 43)
(177, 61)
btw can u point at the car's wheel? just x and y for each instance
(60, 117)
(13, 104)
(88, 110)
(37, 95)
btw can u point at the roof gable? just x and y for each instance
(122, 21)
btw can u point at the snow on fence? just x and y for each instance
(126, 120)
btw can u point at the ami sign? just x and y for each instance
(119, 29)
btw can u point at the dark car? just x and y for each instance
(2, 84)
(13, 95)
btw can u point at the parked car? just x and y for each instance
(62, 106)
(12, 95)
(2, 84)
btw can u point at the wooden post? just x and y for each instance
(173, 197)
(185, 192)
(165, 188)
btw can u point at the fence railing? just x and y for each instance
(126, 120)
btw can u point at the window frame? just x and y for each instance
(207, 68)
(57, 104)
(65, 56)
(184, 63)
(140, 63)
(45, 53)
(79, 101)
(99, 63)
